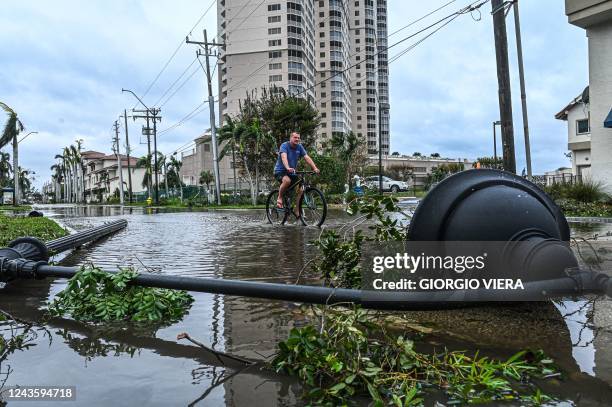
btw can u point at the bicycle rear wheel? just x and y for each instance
(275, 215)
(313, 207)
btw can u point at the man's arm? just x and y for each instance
(311, 163)
(286, 162)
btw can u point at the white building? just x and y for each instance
(595, 16)
(418, 167)
(101, 176)
(332, 52)
(577, 116)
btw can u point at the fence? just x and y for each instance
(239, 193)
(548, 180)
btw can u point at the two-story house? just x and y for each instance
(578, 117)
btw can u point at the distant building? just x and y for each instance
(577, 115)
(101, 175)
(420, 167)
(6, 197)
(200, 159)
(595, 16)
(100, 178)
(560, 175)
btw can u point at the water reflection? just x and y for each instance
(152, 367)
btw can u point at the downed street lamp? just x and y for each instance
(473, 205)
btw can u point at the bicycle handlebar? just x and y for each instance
(304, 172)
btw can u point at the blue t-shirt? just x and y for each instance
(293, 154)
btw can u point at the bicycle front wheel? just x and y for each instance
(275, 215)
(313, 207)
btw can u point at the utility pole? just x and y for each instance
(127, 148)
(153, 114)
(503, 80)
(117, 151)
(211, 106)
(519, 52)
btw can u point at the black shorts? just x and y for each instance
(279, 176)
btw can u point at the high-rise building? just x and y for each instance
(333, 58)
(383, 74)
(332, 52)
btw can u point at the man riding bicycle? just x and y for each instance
(284, 171)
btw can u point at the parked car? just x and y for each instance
(388, 184)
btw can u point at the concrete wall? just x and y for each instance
(600, 81)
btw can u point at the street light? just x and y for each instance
(495, 123)
(136, 96)
(24, 137)
(154, 113)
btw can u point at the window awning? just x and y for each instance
(608, 121)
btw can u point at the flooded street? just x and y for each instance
(120, 365)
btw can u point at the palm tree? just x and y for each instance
(5, 168)
(62, 168)
(58, 172)
(227, 134)
(11, 130)
(350, 149)
(75, 162)
(252, 144)
(206, 178)
(25, 182)
(174, 174)
(145, 162)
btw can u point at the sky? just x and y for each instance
(63, 65)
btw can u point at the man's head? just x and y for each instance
(295, 138)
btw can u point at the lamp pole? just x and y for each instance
(154, 113)
(16, 174)
(496, 123)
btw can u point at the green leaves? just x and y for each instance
(96, 296)
(350, 356)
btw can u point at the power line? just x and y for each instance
(175, 82)
(176, 51)
(187, 117)
(462, 11)
(421, 18)
(180, 87)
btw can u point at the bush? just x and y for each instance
(571, 207)
(585, 191)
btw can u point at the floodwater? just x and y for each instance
(119, 365)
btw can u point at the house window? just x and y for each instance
(274, 43)
(276, 78)
(274, 19)
(207, 147)
(276, 66)
(274, 7)
(582, 126)
(276, 30)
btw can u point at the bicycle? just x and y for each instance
(312, 207)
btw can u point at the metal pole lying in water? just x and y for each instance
(13, 266)
(33, 249)
(86, 236)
